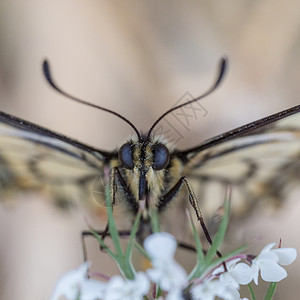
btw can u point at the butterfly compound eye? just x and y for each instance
(161, 157)
(126, 156)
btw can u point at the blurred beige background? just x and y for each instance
(137, 58)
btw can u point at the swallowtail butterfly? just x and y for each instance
(260, 160)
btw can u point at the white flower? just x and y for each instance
(268, 263)
(207, 290)
(237, 273)
(168, 275)
(75, 283)
(230, 293)
(119, 288)
(166, 272)
(92, 290)
(175, 294)
(160, 245)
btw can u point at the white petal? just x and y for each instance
(229, 265)
(92, 290)
(268, 248)
(116, 282)
(114, 288)
(160, 245)
(199, 294)
(271, 271)
(242, 273)
(207, 290)
(142, 283)
(218, 270)
(118, 288)
(286, 255)
(175, 294)
(167, 274)
(227, 279)
(255, 271)
(271, 255)
(230, 293)
(69, 284)
(154, 275)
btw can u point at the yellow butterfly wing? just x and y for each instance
(260, 167)
(34, 158)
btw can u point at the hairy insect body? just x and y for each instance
(147, 171)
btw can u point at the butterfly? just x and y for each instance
(260, 160)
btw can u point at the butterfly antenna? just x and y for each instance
(48, 76)
(221, 73)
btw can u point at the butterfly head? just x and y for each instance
(146, 159)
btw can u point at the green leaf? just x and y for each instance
(271, 291)
(129, 248)
(111, 223)
(141, 250)
(200, 265)
(78, 296)
(220, 235)
(208, 268)
(122, 260)
(102, 244)
(154, 222)
(159, 292)
(200, 253)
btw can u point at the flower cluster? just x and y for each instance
(76, 285)
(168, 280)
(225, 283)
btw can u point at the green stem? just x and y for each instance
(271, 291)
(251, 292)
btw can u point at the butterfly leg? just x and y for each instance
(115, 179)
(186, 246)
(84, 234)
(193, 201)
(122, 233)
(113, 189)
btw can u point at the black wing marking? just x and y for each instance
(41, 131)
(33, 157)
(261, 165)
(250, 128)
